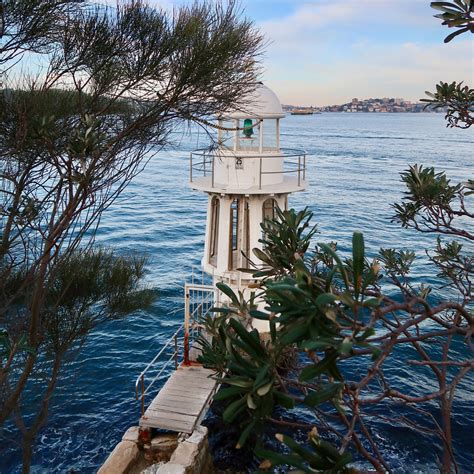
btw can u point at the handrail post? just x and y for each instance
(186, 327)
(304, 166)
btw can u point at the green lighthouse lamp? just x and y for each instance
(248, 128)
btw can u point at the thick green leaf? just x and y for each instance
(446, 6)
(319, 344)
(325, 365)
(251, 402)
(278, 458)
(228, 292)
(345, 459)
(308, 456)
(262, 374)
(231, 412)
(325, 299)
(283, 399)
(328, 249)
(456, 33)
(245, 434)
(227, 392)
(246, 336)
(264, 389)
(294, 334)
(260, 315)
(326, 393)
(237, 382)
(345, 347)
(328, 450)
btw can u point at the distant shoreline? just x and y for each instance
(406, 112)
(384, 105)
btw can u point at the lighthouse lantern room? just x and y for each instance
(246, 176)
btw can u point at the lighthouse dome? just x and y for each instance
(262, 103)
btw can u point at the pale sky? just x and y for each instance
(326, 52)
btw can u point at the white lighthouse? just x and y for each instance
(245, 177)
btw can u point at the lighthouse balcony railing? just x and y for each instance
(202, 163)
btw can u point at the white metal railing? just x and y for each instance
(202, 163)
(199, 299)
(171, 343)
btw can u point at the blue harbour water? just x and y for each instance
(354, 166)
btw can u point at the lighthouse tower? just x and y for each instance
(245, 177)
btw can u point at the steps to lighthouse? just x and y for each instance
(183, 401)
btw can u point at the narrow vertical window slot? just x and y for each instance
(214, 231)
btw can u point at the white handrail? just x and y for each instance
(184, 344)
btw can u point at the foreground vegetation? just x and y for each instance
(328, 314)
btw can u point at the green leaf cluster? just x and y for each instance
(286, 238)
(304, 310)
(457, 14)
(428, 193)
(457, 98)
(320, 457)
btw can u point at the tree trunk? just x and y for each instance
(447, 459)
(27, 454)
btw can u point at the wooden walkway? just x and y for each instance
(182, 402)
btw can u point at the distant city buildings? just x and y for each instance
(384, 105)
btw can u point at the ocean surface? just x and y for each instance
(353, 170)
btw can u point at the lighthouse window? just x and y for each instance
(246, 249)
(234, 210)
(239, 235)
(270, 131)
(214, 231)
(226, 133)
(269, 209)
(248, 138)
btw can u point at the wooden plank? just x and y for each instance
(191, 379)
(185, 384)
(191, 394)
(176, 399)
(170, 397)
(194, 411)
(167, 415)
(177, 405)
(178, 427)
(189, 386)
(191, 376)
(176, 387)
(165, 398)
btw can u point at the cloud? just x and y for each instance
(329, 51)
(404, 70)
